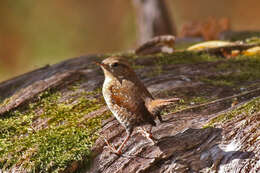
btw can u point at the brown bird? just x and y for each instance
(128, 99)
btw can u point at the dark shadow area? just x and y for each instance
(188, 139)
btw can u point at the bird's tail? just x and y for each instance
(156, 106)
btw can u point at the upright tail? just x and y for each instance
(155, 106)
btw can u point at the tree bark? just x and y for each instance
(153, 19)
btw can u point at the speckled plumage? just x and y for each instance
(124, 101)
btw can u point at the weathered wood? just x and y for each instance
(183, 143)
(26, 87)
(9, 87)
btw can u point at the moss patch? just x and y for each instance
(185, 57)
(4, 102)
(49, 135)
(247, 109)
(218, 81)
(232, 72)
(181, 57)
(186, 102)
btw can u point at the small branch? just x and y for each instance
(219, 100)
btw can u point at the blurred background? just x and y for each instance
(37, 33)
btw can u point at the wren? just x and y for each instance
(128, 99)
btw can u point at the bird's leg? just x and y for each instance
(146, 134)
(119, 150)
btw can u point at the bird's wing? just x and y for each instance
(145, 94)
(128, 96)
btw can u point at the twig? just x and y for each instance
(218, 100)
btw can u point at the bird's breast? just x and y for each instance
(120, 100)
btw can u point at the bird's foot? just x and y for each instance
(146, 134)
(112, 148)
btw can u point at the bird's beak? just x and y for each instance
(99, 64)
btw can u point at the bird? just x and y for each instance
(129, 100)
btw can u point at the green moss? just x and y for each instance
(198, 100)
(4, 102)
(178, 107)
(247, 109)
(49, 135)
(234, 71)
(218, 81)
(138, 66)
(184, 57)
(185, 103)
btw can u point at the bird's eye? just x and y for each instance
(114, 64)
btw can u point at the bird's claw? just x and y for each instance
(112, 147)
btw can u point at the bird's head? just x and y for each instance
(117, 67)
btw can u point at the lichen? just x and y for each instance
(51, 147)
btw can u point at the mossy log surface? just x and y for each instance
(53, 119)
